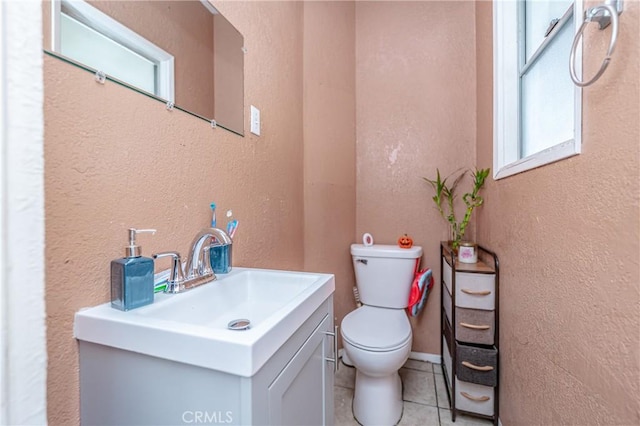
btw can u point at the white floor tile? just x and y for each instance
(461, 420)
(418, 386)
(423, 392)
(437, 368)
(414, 364)
(441, 391)
(419, 415)
(343, 399)
(346, 377)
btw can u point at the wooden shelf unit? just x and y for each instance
(469, 324)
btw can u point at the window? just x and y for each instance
(88, 46)
(537, 108)
(85, 34)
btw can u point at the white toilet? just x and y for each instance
(377, 336)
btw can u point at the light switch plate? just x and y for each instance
(255, 120)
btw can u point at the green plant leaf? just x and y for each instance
(448, 192)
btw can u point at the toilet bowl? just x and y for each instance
(377, 336)
(377, 353)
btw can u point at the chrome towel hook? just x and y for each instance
(603, 14)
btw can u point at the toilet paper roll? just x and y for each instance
(367, 239)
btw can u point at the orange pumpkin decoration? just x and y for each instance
(405, 242)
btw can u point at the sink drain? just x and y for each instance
(239, 324)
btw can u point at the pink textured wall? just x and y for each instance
(115, 159)
(402, 82)
(415, 112)
(329, 144)
(568, 239)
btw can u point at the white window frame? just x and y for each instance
(114, 30)
(506, 95)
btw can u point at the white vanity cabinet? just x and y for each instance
(302, 394)
(469, 319)
(293, 387)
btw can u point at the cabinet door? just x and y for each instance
(302, 394)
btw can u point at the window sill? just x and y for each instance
(550, 155)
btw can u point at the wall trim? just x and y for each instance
(23, 359)
(418, 356)
(4, 365)
(422, 356)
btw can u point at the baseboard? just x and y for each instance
(418, 356)
(422, 356)
(499, 422)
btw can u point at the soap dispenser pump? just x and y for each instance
(132, 276)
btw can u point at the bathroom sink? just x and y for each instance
(192, 327)
(250, 294)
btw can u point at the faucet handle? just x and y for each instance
(175, 284)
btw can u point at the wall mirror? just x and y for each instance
(180, 51)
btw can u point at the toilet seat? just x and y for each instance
(377, 329)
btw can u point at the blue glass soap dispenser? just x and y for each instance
(132, 276)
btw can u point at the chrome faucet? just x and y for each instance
(198, 269)
(195, 264)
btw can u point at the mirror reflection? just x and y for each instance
(183, 51)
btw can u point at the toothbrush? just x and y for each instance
(213, 215)
(232, 224)
(229, 220)
(234, 227)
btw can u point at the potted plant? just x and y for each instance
(446, 192)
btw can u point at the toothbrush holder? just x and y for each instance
(220, 255)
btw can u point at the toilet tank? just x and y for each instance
(384, 273)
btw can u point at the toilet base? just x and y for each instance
(346, 360)
(377, 400)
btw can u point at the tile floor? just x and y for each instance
(424, 394)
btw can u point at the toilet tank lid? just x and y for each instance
(382, 250)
